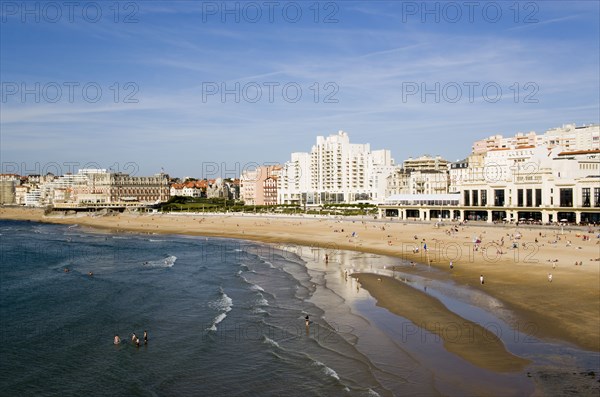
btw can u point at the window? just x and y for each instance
(597, 197)
(529, 198)
(519, 197)
(538, 197)
(585, 197)
(467, 198)
(566, 197)
(499, 197)
(484, 197)
(475, 197)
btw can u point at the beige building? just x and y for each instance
(8, 183)
(20, 194)
(426, 163)
(120, 187)
(114, 187)
(423, 175)
(570, 137)
(270, 191)
(259, 186)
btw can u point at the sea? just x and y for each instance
(227, 317)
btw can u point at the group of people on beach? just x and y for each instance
(134, 339)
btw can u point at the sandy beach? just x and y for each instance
(468, 339)
(567, 308)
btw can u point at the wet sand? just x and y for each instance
(462, 337)
(566, 309)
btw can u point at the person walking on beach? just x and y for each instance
(451, 265)
(481, 279)
(549, 277)
(307, 320)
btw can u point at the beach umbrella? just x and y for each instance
(564, 220)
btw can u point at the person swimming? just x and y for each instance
(117, 340)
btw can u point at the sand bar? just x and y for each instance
(462, 337)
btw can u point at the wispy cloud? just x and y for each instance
(368, 57)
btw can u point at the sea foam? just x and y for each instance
(224, 305)
(271, 342)
(326, 370)
(166, 262)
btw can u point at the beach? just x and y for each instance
(566, 309)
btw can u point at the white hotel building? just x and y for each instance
(552, 178)
(335, 171)
(294, 179)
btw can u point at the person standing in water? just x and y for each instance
(307, 322)
(145, 337)
(117, 340)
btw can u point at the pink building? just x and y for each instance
(259, 186)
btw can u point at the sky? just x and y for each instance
(209, 88)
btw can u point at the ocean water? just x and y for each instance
(224, 317)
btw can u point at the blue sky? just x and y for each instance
(360, 66)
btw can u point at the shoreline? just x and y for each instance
(467, 339)
(566, 309)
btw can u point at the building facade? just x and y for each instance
(569, 137)
(530, 183)
(8, 183)
(337, 172)
(258, 186)
(116, 187)
(423, 175)
(294, 180)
